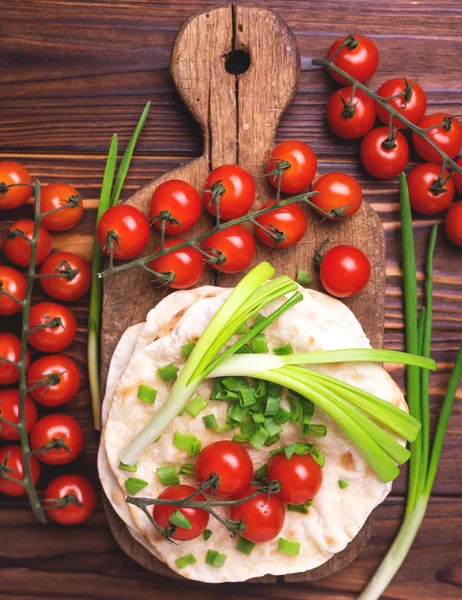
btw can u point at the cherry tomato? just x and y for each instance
(17, 249)
(13, 173)
(300, 477)
(263, 516)
(10, 348)
(302, 170)
(56, 337)
(359, 58)
(382, 161)
(181, 200)
(14, 283)
(57, 428)
(348, 116)
(65, 379)
(428, 193)
(11, 457)
(9, 409)
(57, 195)
(198, 518)
(457, 177)
(67, 288)
(186, 265)
(124, 228)
(289, 220)
(453, 223)
(447, 137)
(337, 192)
(238, 191)
(231, 462)
(236, 248)
(345, 270)
(412, 105)
(79, 495)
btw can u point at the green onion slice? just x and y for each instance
(131, 468)
(215, 559)
(283, 350)
(300, 508)
(262, 472)
(185, 561)
(303, 277)
(178, 519)
(210, 422)
(184, 441)
(259, 344)
(168, 475)
(195, 406)
(342, 484)
(135, 485)
(288, 547)
(187, 469)
(168, 373)
(245, 546)
(206, 534)
(146, 393)
(187, 349)
(259, 438)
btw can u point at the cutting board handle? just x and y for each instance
(239, 113)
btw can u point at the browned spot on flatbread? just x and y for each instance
(330, 540)
(348, 461)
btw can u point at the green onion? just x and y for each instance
(206, 534)
(245, 349)
(248, 428)
(131, 468)
(302, 509)
(259, 438)
(234, 384)
(303, 277)
(262, 472)
(187, 349)
(342, 484)
(259, 344)
(273, 439)
(241, 438)
(259, 319)
(135, 485)
(316, 431)
(296, 411)
(272, 406)
(227, 395)
(288, 547)
(184, 441)
(178, 519)
(217, 387)
(282, 416)
(247, 396)
(195, 406)
(168, 373)
(238, 413)
(245, 546)
(258, 418)
(146, 393)
(215, 559)
(283, 350)
(168, 475)
(185, 561)
(195, 448)
(187, 469)
(243, 328)
(272, 427)
(261, 390)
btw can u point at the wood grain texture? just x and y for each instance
(75, 71)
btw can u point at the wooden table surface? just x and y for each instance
(74, 72)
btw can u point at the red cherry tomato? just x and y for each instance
(345, 271)
(13, 173)
(231, 462)
(10, 348)
(186, 265)
(11, 457)
(300, 477)
(289, 220)
(235, 247)
(447, 137)
(337, 192)
(67, 288)
(453, 223)
(57, 195)
(359, 58)
(412, 105)
(457, 177)
(9, 409)
(382, 161)
(78, 497)
(263, 516)
(57, 428)
(14, 283)
(348, 116)
(181, 200)
(197, 517)
(124, 228)
(17, 249)
(238, 194)
(302, 170)
(64, 374)
(58, 336)
(428, 193)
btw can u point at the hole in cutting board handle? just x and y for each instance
(237, 62)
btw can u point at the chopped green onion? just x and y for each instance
(197, 447)
(259, 344)
(245, 546)
(185, 561)
(342, 484)
(168, 475)
(241, 438)
(261, 390)
(317, 430)
(238, 413)
(248, 428)
(135, 485)
(288, 547)
(244, 349)
(215, 559)
(307, 407)
(227, 395)
(243, 328)
(258, 418)
(303, 277)
(206, 534)
(259, 438)
(306, 424)
(184, 441)
(247, 396)
(234, 384)
(195, 406)
(272, 427)
(187, 349)
(272, 406)
(262, 472)
(168, 373)
(296, 411)
(131, 468)
(273, 439)
(260, 318)
(274, 389)
(187, 469)
(283, 350)
(300, 508)
(178, 519)
(217, 387)
(146, 393)
(282, 416)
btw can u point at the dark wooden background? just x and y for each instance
(75, 71)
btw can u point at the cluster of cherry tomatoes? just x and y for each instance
(53, 379)
(300, 477)
(351, 114)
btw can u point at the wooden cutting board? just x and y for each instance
(239, 115)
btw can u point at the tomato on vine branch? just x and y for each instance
(384, 154)
(445, 131)
(12, 471)
(12, 288)
(232, 189)
(65, 198)
(65, 276)
(339, 196)
(9, 410)
(17, 243)
(350, 113)
(431, 189)
(10, 352)
(56, 439)
(70, 499)
(406, 96)
(232, 249)
(198, 518)
(53, 380)
(13, 174)
(177, 203)
(124, 231)
(293, 163)
(282, 227)
(355, 54)
(182, 268)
